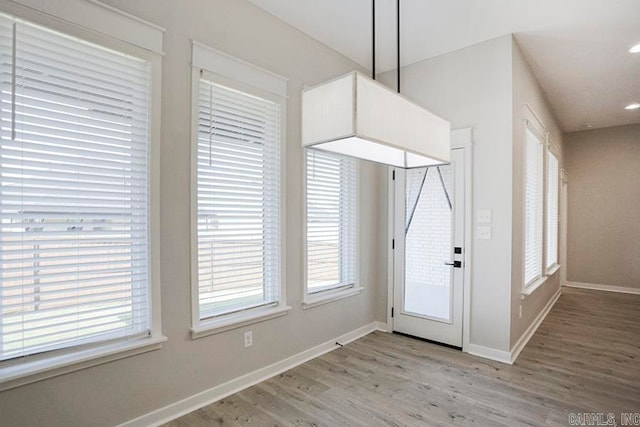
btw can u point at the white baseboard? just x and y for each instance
(524, 339)
(204, 398)
(598, 287)
(382, 326)
(509, 357)
(489, 353)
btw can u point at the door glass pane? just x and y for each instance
(428, 241)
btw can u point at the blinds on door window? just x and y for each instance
(331, 221)
(238, 200)
(74, 155)
(552, 210)
(534, 151)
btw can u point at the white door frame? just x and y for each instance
(460, 138)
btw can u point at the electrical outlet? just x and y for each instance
(248, 339)
(520, 313)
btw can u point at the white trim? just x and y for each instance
(197, 401)
(193, 200)
(96, 17)
(104, 24)
(533, 286)
(599, 287)
(40, 369)
(554, 148)
(553, 269)
(509, 357)
(534, 122)
(201, 328)
(564, 209)
(382, 327)
(531, 330)
(391, 214)
(321, 298)
(228, 322)
(489, 353)
(208, 58)
(468, 235)
(310, 300)
(460, 138)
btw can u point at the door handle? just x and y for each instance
(455, 264)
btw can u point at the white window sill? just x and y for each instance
(531, 288)
(314, 300)
(237, 320)
(553, 269)
(39, 367)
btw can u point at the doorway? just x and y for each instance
(429, 253)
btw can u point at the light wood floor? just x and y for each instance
(585, 357)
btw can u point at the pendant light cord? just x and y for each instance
(398, 42)
(373, 39)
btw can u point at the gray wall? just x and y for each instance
(527, 91)
(472, 88)
(112, 393)
(604, 206)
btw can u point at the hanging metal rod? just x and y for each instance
(373, 39)
(398, 41)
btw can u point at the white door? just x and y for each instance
(429, 251)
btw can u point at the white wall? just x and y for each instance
(472, 88)
(112, 393)
(526, 91)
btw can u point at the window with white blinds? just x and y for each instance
(553, 173)
(332, 200)
(238, 200)
(534, 187)
(74, 192)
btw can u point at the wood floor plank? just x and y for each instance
(585, 357)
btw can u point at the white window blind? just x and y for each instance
(552, 210)
(74, 154)
(238, 200)
(331, 221)
(534, 178)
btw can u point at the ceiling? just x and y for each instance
(578, 49)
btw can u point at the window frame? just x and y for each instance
(218, 67)
(338, 292)
(552, 150)
(533, 124)
(540, 135)
(39, 366)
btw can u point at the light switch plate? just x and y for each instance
(483, 217)
(248, 339)
(483, 232)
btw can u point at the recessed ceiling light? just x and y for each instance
(635, 49)
(633, 106)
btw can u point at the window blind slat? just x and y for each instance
(238, 200)
(74, 191)
(331, 221)
(534, 150)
